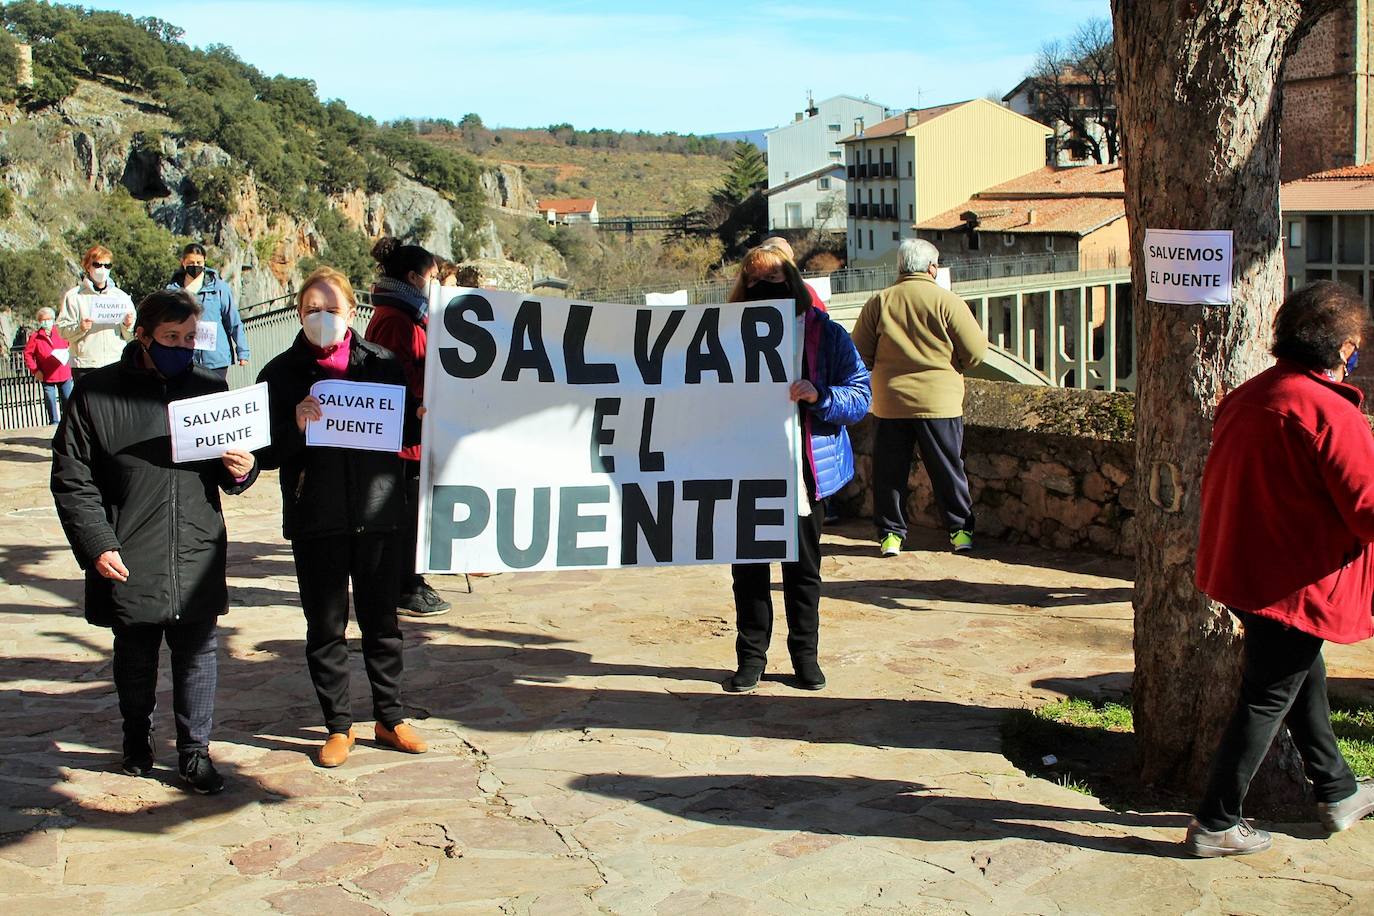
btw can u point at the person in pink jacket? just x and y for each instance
(48, 358)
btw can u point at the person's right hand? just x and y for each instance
(86, 324)
(307, 411)
(109, 565)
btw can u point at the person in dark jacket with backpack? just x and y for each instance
(832, 393)
(342, 509)
(149, 533)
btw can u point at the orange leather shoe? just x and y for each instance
(336, 748)
(402, 738)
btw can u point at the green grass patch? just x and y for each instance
(1093, 743)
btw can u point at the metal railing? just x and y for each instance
(21, 395)
(271, 333)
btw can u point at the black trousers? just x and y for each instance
(1283, 682)
(323, 568)
(409, 531)
(195, 671)
(941, 445)
(801, 595)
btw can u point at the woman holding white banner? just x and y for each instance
(90, 319)
(342, 507)
(149, 532)
(832, 393)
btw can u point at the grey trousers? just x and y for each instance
(940, 444)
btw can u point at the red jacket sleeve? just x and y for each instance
(1345, 451)
(29, 359)
(403, 337)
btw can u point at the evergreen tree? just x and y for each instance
(748, 170)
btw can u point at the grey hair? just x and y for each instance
(45, 311)
(914, 256)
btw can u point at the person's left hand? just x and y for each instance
(802, 390)
(243, 362)
(129, 319)
(238, 462)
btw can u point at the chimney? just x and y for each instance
(811, 109)
(24, 67)
(912, 118)
(797, 116)
(1030, 217)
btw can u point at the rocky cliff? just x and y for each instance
(60, 162)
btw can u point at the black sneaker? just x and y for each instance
(423, 602)
(745, 680)
(809, 675)
(138, 756)
(200, 773)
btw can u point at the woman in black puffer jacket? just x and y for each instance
(149, 533)
(341, 510)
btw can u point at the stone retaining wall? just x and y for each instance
(1047, 466)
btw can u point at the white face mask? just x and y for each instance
(325, 329)
(100, 275)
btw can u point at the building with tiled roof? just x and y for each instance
(1328, 227)
(1062, 211)
(806, 175)
(911, 167)
(569, 209)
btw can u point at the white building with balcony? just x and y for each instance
(806, 176)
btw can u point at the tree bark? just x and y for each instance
(1199, 96)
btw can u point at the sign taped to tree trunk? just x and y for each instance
(1188, 267)
(571, 435)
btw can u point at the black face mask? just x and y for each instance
(194, 270)
(764, 289)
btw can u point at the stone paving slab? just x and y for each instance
(585, 759)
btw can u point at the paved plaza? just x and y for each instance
(584, 758)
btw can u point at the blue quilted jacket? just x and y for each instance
(834, 367)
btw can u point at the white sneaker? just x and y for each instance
(1342, 815)
(1240, 840)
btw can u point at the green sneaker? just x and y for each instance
(961, 540)
(890, 545)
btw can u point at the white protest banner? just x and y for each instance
(570, 435)
(207, 335)
(212, 424)
(1188, 267)
(677, 297)
(109, 310)
(358, 415)
(822, 287)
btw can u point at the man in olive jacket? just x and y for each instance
(918, 340)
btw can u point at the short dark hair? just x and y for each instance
(166, 306)
(193, 248)
(395, 259)
(1316, 320)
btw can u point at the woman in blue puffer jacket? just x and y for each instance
(832, 393)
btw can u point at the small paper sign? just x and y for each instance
(207, 335)
(360, 415)
(822, 287)
(1188, 267)
(212, 424)
(62, 356)
(942, 278)
(109, 309)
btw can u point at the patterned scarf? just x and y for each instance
(408, 296)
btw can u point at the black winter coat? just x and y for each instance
(116, 488)
(325, 490)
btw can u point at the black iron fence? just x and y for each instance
(21, 396)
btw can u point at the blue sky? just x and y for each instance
(703, 67)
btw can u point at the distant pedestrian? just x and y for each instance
(400, 321)
(149, 533)
(94, 345)
(919, 340)
(218, 307)
(341, 509)
(48, 359)
(1287, 522)
(831, 394)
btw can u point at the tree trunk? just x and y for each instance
(1199, 95)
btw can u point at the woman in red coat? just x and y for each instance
(1287, 524)
(47, 357)
(400, 319)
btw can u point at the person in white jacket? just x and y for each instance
(87, 316)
